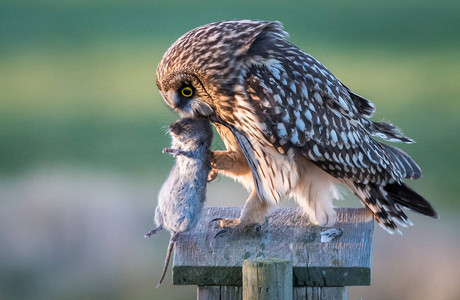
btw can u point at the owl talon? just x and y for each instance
(212, 175)
(223, 231)
(214, 220)
(239, 229)
(234, 225)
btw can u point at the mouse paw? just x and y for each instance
(174, 152)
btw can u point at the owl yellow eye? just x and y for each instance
(187, 92)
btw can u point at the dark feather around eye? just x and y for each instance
(187, 91)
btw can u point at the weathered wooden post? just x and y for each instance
(322, 267)
(267, 279)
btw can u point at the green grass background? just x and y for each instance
(77, 82)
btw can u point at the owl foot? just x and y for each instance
(226, 223)
(235, 225)
(325, 218)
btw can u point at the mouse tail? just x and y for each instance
(168, 257)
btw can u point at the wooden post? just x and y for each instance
(322, 268)
(216, 292)
(267, 279)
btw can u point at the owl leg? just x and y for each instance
(252, 216)
(234, 164)
(253, 212)
(315, 192)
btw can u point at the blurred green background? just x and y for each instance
(82, 126)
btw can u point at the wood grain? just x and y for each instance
(199, 259)
(267, 279)
(216, 292)
(208, 293)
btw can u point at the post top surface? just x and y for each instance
(344, 260)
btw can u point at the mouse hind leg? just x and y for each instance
(152, 232)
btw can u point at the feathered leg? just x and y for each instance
(315, 192)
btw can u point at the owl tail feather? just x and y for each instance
(386, 202)
(407, 167)
(410, 199)
(389, 132)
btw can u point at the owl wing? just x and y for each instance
(302, 106)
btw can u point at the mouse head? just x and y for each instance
(190, 131)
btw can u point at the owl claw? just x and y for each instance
(212, 175)
(214, 220)
(224, 223)
(223, 231)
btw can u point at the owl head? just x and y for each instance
(204, 66)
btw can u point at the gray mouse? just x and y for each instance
(183, 194)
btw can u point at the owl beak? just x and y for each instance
(171, 99)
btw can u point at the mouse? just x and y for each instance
(183, 194)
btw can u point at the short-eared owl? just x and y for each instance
(291, 128)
